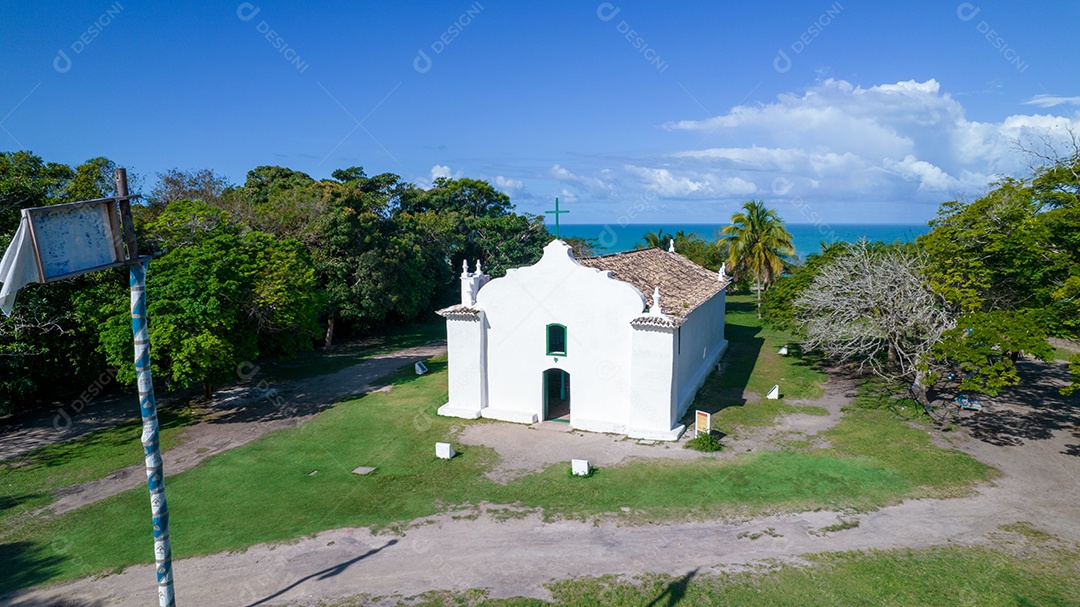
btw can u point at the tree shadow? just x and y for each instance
(1033, 410)
(27, 564)
(675, 591)
(727, 388)
(327, 573)
(263, 401)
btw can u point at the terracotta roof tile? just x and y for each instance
(459, 311)
(684, 285)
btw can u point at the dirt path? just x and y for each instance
(525, 450)
(1031, 436)
(242, 413)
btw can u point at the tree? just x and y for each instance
(349, 174)
(175, 184)
(758, 243)
(1017, 249)
(657, 239)
(778, 303)
(871, 307)
(983, 348)
(707, 254)
(46, 352)
(263, 181)
(469, 197)
(582, 247)
(93, 179)
(217, 297)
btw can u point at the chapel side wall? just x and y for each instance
(595, 310)
(466, 354)
(703, 343)
(653, 390)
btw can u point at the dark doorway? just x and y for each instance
(557, 395)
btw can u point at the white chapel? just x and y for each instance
(616, 343)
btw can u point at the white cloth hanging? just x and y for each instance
(18, 268)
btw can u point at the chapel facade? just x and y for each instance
(577, 340)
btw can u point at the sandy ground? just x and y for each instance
(1032, 437)
(238, 415)
(525, 450)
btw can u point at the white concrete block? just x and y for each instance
(444, 451)
(774, 393)
(580, 467)
(421, 368)
(783, 351)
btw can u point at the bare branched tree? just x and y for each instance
(18, 324)
(872, 307)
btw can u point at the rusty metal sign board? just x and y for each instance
(76, 238)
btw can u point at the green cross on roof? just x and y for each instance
(557, 212)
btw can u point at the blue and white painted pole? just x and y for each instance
(155, 475)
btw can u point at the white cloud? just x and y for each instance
(907, 142)
(665, 184)
(597, 187)
(437, 171)
(508, 185)
(444, 172)
(668, 184)
(928, 176)
(1052, 100)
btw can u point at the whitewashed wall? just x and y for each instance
(703, 343)
(629, 380)
(466, 350)
(596, 311)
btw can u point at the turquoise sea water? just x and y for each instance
(807, 237)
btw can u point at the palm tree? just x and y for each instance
(657, 239)
(758, 243)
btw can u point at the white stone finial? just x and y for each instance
(723, 272)
(464, 267)
(478, 270)
(655, 309)
(671, 245)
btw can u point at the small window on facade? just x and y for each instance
(556, 339)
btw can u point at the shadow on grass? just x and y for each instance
(26, 564)
(265, 402)
(346, 354)
(675, 591)
(726, 389)
(327, 573)
(118, 437)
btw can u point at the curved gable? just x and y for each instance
(558, 282)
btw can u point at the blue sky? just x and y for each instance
(628, 111)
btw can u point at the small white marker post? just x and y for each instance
(420, 368)
(774, 393)
(444, 451)
(579, 467)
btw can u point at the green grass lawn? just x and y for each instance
(264, 491)
(29, 482)
(940, 577)
(753, 364)
(297, 482)
(1062, 354)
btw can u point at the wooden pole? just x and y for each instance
(151, 436)
(125, 215)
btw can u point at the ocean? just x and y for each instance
(806, 236)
